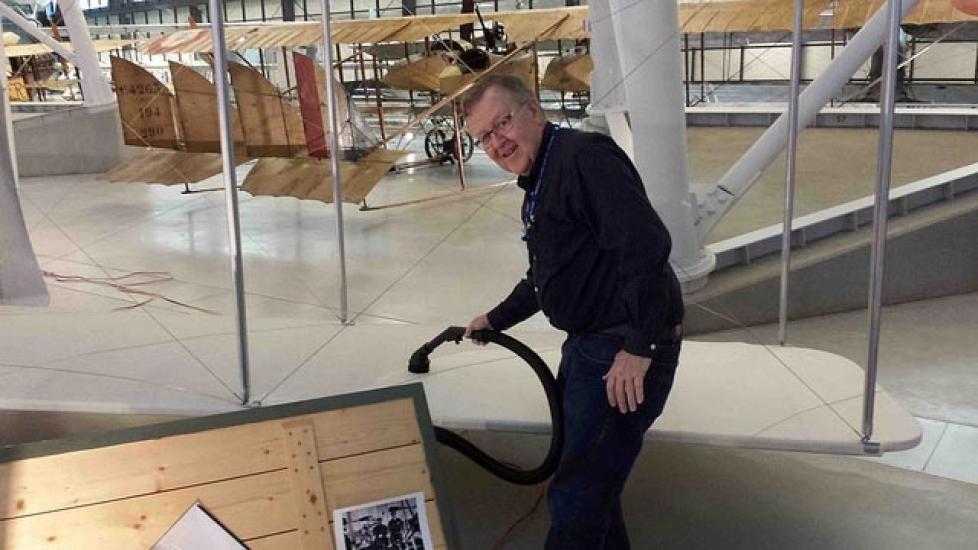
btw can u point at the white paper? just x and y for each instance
(197, 530)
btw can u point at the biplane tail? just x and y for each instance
(150, 119)
(272, 126)
(197, 117)
(354, 134)
(310, 177)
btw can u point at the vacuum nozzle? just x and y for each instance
(419, 363)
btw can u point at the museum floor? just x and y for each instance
(463, 253)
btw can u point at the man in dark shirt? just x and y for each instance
(599, 270)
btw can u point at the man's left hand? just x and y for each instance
(626, 381)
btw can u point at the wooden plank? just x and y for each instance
(107, 473)
(145, 106)
(307, 485)
(434, 523)
(376, 476)
(249, 507)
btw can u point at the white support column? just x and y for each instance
(735, 183)
(607, 93)
(647, 39)
(95, 87)
(21, 282)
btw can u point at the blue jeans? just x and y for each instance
(601, 444)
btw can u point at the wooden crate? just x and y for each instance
(272, 476)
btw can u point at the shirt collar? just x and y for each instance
(525, 182)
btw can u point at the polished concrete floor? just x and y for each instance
(681, 496)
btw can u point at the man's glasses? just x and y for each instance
(502, 126)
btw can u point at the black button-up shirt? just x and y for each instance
(599, 254)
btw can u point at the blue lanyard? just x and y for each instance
(530, 205)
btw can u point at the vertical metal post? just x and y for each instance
(285, 65)
(536, 70)
(457, 121)
(339, 68)
(884, 162)
(687, 64)
(789, 191)
(334, 155)
(230, 191)
(702, 67)
(379, 102)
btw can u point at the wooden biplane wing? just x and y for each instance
(568, 73)
(569, 23)
(418, 73)
(522, 25)
(53, 84)
(853, 13)
(165, 167)
(310, 178)
(357, 31)
(27, 50)
(522, 66)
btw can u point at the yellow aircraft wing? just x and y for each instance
(524, 25)
(26, 50)
(356, 31)
(853, 13)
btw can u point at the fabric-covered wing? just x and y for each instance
(165, 167)
(310, 178)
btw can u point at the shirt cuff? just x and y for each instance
(638, 343)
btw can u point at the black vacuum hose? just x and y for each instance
(420, 364)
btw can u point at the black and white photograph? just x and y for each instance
(397, 523)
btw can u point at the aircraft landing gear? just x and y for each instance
(439, 143)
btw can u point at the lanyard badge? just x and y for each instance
(530, 204)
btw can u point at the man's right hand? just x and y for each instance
(479, 323)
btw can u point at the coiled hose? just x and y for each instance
(421, 364)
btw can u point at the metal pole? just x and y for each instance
(457, 121)
(230, 190)
(880, 213)
(334, 154)
(379, 100)
(789, 191)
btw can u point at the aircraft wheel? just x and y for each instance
(434, 144)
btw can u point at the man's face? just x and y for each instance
(510, 132)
